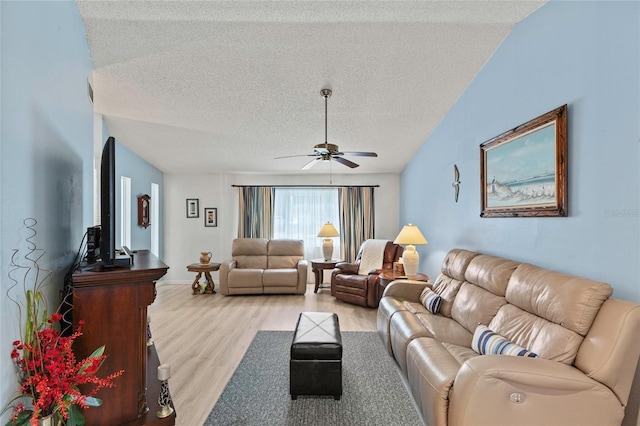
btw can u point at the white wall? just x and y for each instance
(186, 238)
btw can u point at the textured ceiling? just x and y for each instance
(226, 86)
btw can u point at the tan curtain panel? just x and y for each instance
(255, 212)
(357, 219)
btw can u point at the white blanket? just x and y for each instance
(372, 255)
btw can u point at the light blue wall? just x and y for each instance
(46, 152)
(46, 148)
(142, 175)
(584, 54)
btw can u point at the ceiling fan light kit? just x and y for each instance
(327, 151)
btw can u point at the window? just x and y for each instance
(155, 219)
(299, 213)
(125, 211)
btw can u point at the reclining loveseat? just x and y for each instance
(264, 266)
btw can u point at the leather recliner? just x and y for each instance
(347, 285)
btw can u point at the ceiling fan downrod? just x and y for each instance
(326, 94)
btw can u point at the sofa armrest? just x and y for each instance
(303, 268)
(405, 289)
(223, 274)
(347, 268)
(538, 390)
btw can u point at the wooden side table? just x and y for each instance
(387, 276)
(318, 266)
(207, 269)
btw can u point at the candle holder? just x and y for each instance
(164, 399)
(149, 337)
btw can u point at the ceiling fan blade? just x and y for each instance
(311, 163)
(361, 153)
(345, 162)
(299, 155)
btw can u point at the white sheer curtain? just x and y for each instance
(299, 213)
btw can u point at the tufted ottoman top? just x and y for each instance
(317, 336)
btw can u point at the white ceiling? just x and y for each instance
(225, 86)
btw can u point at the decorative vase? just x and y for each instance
(410, 260)
(50, 420)
(327, 248)
(205, 257)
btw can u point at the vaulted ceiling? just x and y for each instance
(226, 86)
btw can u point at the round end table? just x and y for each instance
(206, 268)
(318, 266)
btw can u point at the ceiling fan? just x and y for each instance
(328, 151)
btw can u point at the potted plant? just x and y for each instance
(51, 380)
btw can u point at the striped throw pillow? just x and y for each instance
(486, 342)
(431, 300)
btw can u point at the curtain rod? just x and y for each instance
(306, 186)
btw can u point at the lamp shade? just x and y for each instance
(328, 230)
(410, 235)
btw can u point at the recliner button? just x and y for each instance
(517, 397)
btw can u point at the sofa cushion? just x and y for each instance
(456, 262)
(447, 288)
(462, 354)
(487, 342)
(280, 277)
(490, 272)
(250, 253)
(444, 329)
(431, 370)
(413, 307)
(431, 300)
(284, 253)
(570, 301)
(545, 338)
(245, 278)
(474, 305)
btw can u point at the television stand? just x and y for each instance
(113, 303)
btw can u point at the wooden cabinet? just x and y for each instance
(113, 305)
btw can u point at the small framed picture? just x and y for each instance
(210, 216)
(193, 210)
(398, 269)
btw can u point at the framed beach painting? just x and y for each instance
(524, 170)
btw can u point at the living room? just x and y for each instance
(583, 54)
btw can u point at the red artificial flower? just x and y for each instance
(52, 375)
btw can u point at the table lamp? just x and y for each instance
(409, 236)
(328, 231)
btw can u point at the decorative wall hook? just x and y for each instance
(456, 181)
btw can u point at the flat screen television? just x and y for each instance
(108, 203)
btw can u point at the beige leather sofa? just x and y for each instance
(587, 344)
(264, 266)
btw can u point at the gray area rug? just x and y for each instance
(258, 391)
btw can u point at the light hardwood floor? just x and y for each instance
(204, 337)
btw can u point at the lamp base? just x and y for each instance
(327, 248)
(410, 260)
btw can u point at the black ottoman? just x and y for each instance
(316, 356)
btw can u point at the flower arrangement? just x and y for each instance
(51, 376)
